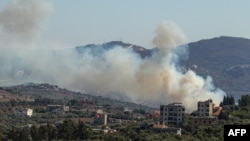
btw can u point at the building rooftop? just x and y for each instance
(174, 104)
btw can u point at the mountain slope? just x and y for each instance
(96, 49)
(226, 59)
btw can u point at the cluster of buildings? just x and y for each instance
(206, 114)
(171, 114)
(24, 112)
(55, 109)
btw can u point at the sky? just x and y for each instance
(82, 22)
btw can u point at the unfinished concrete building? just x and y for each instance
(206, 114)
(205, 108)
(172, 113)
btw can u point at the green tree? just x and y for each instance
(140, 111)
(39, 109)
(244, 101)
(67, 130)
(112, 137)
(72, 102)
(228, 100)
(14, 134)
(83, 132)
(52, 133)
(34, 133)
(1, 134)
(24, 135)
(43, 132)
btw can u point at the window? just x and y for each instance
(162, 108)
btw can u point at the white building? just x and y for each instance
(24, 112)
(65, 108)
(172, 113)
(105, 119)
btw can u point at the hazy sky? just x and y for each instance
(80, 22)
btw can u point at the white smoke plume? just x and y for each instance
(119, 70)
(23, 20)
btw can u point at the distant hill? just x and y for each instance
(96, 49)
(29, 91)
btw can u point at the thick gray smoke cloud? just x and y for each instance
(118, 70)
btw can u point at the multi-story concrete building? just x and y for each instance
(196, 121)
(172, 113)
(205, 115)
(205, 108)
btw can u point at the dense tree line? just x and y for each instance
(68, 130)
(140, 111)
(227, 100)
(244, 100)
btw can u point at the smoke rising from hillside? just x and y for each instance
(119, 70)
